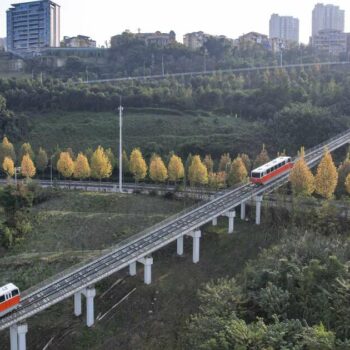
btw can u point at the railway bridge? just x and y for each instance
(80, 280)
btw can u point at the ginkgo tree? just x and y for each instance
(197, 173)
(301, 177)
(7, 150)
(326, 176)
(176, 170)
(238, 172)
(157, 169)
(347, 184)
(8, 166)
(28, 169)
(137, 165)
(65, 165)
(81, 167)
(101, 167)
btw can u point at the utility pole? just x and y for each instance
(120, 147)
(163, 65)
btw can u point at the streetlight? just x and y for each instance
(17, 171)
(51, 169)
(120, 147)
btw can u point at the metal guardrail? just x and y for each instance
(62, 286)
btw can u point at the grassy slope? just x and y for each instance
(153, 316)
(76, 225)
(161, 133)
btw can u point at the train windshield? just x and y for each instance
(256, 175)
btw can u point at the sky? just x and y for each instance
(101, 19)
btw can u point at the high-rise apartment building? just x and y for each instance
(285, 28)
(327, 17)
(33, 25)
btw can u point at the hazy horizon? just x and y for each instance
(224, 17)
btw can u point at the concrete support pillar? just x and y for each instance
(215, 221)
(258, 201)
(147, 262)
(90, 294)
(77, 304)
(13, 337)
(231, 221)
(132, 269)
(22, 330)
(180, 245)
(196, 235)
(243, 207)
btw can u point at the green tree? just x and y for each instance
(347, 184)
(208, 161)
(126, 163)
(262, 158)
(112, 158)
(41, 160)
(225, 162)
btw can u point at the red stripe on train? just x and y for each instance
(271, 175)
(8, 304)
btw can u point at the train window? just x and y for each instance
(256, 175)
(15, 292)
(2, 298)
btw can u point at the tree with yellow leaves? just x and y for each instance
(262, 158)
(28, 169)
(176, 170)
(137, 165)
(9, 166)
(101, 167)
(65, 165)
(208, 161)
(26, 148)
(301, 177)
(217, 181)
(81, 167)
(7, 150)
(347, 184)
(326, 176)
(238, 172)
(225, 162)
(247, 162)
(197, 173)
(157, 169)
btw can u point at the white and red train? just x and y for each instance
(270, 170)
(10, 298)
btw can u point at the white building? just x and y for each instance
(327, 17)
(285, 28)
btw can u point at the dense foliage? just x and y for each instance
(291, 103)
(294, 296)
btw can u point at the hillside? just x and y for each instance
(159, 132)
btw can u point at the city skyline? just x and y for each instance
(224, 19)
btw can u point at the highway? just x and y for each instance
(145, 243)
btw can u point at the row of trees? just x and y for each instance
(326, 179)
(99, 164)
